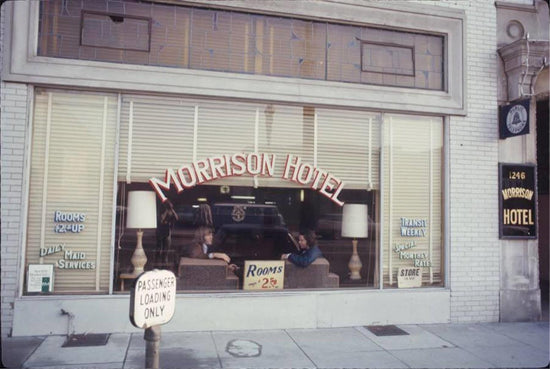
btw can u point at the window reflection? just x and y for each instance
(250, 224)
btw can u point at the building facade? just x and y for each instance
(132, 129)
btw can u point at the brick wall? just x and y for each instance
(14, 121)
(475, 247)
(13, 118)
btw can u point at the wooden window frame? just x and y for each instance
(389, 44)
(110, 15)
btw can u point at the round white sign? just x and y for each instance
(516, 120)
(153, 298)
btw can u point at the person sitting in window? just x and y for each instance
(309, 251)
(202, 248)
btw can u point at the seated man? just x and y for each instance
(309, 251)
(202, 247)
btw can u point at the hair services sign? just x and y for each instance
(153, 298)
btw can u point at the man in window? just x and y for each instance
(309, 251)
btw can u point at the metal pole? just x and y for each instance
(152, 347)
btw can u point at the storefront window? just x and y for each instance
(257, 175)
(236, 187)
(248, 224)
(413, 215)
(70, 216)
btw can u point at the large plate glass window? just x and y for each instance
(71, 191)
(413, 212)
(252, 173)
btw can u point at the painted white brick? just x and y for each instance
(475, 252)
(13, 127)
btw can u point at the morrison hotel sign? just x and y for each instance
(253, 164)
(517, 201)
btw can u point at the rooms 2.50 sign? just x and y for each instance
(517, 201)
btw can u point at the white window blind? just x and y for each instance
(159, 133)
(413, 193)
(72, 172)
(349, 147)
(226, 128)
(155, 133)
(285, 130)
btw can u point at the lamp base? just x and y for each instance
(139, 259)
(355, 264)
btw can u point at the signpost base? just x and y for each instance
(152, 303)
(152, 347)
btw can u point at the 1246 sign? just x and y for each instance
(517, 201)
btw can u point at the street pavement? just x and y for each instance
(483, 345)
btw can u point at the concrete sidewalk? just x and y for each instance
(487, 345)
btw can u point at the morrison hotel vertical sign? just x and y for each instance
(517, 201)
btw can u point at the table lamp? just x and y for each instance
(355, 225)
(141, 214)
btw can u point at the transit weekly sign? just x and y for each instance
(153, 298)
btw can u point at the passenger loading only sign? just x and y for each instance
(153, 298)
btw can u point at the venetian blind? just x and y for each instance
(155, 133)
(72, 172)
(226, 128)
(413, 196)
(159, 133)
(349, 147)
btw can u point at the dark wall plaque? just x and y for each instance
(514, 119)
(517, 201)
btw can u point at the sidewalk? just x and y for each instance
(487, 345)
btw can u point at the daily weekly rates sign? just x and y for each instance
(153, 298)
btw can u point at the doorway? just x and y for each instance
(543, 200)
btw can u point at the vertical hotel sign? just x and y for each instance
(517, 201)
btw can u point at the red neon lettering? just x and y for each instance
(239, 160)
(291, 165)
(268, 166)
(158, 185)
(216, 166)
(201, 168)
(334, 197)
(228, 169)
(187, 183)
(327, 185)
(318, 174)
(309, 173)
(253, 166)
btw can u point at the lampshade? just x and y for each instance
(142, 210)
(355, 221)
